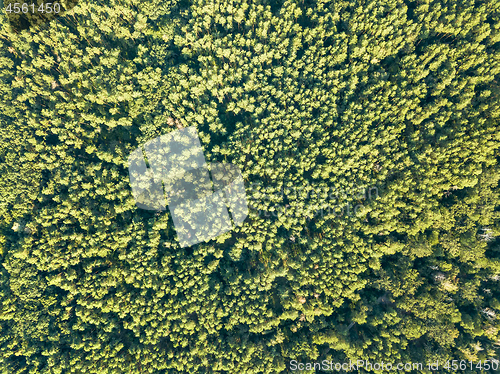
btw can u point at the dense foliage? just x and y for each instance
(398, 97)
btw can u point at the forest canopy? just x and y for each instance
(389, 106)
